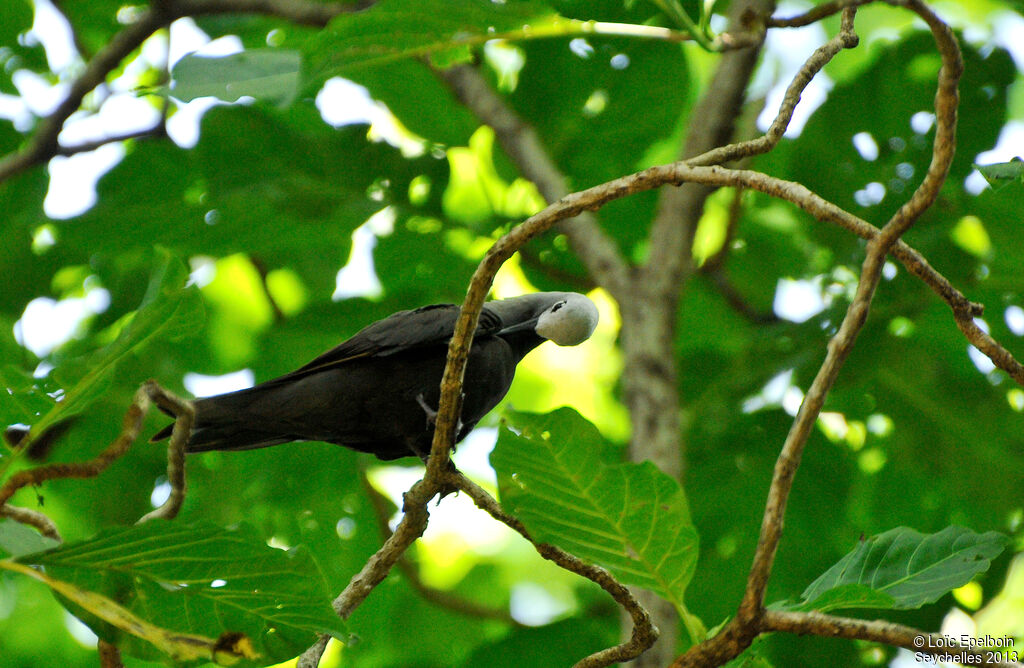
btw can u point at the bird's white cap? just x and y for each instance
(569, 321)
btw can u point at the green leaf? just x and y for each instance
(196, 580)
(270, 75)
(903, 569)
(969, 234)
(17, 539)
(441, 29)
(632, 519)
(169, 310)
(1003, 173)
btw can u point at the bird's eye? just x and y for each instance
(557, 306)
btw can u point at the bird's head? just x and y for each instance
(569, 321)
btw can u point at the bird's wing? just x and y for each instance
(404, 330)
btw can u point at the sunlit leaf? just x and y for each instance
(903, 569)
(969, 233)
(556, 474)
(1003, 173)
(179, 586)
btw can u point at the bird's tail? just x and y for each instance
(218, 427)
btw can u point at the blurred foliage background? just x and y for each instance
(263, 209)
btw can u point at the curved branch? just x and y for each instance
(946, 101)
(644, 633)
(438, 597)
(846, 39)
(748, 622)
(820, 12)
(89, 469)
(184, 413)
(147, 394)
(33, 518)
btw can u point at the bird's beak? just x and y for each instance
(527, 325)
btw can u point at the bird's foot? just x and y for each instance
(448, 488)
(432, 414)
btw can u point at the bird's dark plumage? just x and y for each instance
(372, 393)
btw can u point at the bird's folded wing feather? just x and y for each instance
(405, 330)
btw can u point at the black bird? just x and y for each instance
(377, 392)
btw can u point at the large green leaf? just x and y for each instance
(903, 569)
(197, 579)
(554, 474)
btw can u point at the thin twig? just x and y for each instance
(749, 618)
(110, 655)
(644, 633)
(155, 132)
(311, 657)
(33, 518)
(261, 269)
(184, 417)
(846, 39)
(881, 631)
(88, 469)
(714, 269)
(819, 12)
(148, 393)
(377, 567)
(841, 344)
(438, 597)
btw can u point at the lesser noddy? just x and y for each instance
(377, 392)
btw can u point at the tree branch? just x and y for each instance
(748, 621)
(644, 633)
(155, 132)
(871, 272)
(110, 655)
(33, 518)
(820, 12)
(823, 55)
(184, 417)
(148, 393)
(880, 631)
(438, 597)
(88, 469)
